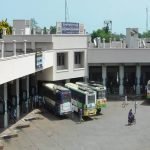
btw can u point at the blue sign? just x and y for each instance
(39, 61)
(70, 28)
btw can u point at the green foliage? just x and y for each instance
(52, 29)
(5, 24)
(102, 33)
(145, 34)
(105, 33)
(44, 30)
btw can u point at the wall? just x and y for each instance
(16, 67)
(69, 41)
(125, 55)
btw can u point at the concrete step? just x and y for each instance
(22, 125)
(33, 118)
(9, 135)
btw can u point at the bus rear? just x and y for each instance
(90, 106)
(101, 99)
(65, 106)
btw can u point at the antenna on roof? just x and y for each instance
(66, 11)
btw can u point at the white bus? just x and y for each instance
(100, 94)
(57, 98)
(148, 90)
(82, 99)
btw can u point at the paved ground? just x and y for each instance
(105, 132)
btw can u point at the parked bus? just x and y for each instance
(82, 99)
(100, 94)
(148, 90)
(57, 98)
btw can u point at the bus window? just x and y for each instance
(66, 97)
(148, 86)
(91, 99)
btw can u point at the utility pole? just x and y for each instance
(66, 12)
(146, 19)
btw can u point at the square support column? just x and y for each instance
(27, 86)
(17, 93)
(5, 101)
(121, 77)
(138, 75)
(2, 49)
(104, 74)
(25, 46)
(14, 47)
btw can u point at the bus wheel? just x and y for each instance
(98, 111)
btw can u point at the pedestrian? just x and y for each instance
(80, 114)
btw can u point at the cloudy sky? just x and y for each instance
(92, 13)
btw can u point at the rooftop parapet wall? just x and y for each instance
(113, 55)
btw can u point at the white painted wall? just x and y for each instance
(48, 57)
(125, 55)
(69, 41)
(71, 72)
(16, 67)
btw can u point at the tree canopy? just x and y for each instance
(5, 24)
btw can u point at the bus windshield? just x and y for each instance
(91, 99)
(66, 97)
(148, 86)
(100, 94)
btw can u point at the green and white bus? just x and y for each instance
(82, 98)
(100, 94)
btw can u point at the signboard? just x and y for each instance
(69, 28)
(38, 60)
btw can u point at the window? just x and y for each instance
(77, 58)
(60, 59)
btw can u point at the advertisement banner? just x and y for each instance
(38, 60)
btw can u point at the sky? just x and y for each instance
(92, 13)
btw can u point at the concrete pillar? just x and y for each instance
(34, 31)
(103, 42)
(4, 31)
(5, 101)
(17, 93)
(25, 46)
(121, 43)
(13, 31)
(104, 74)
(49, 31)
(22, 31)
(138, 75)
(42, 31)
(27, 86)
(14, 47)
(33, 45)
(2, 48)
(110, 42)
(121, 77)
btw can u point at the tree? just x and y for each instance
(52, 29)
(106, 33)
(44, 30)
(34, 25)
(5, 24)
(145, 34)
